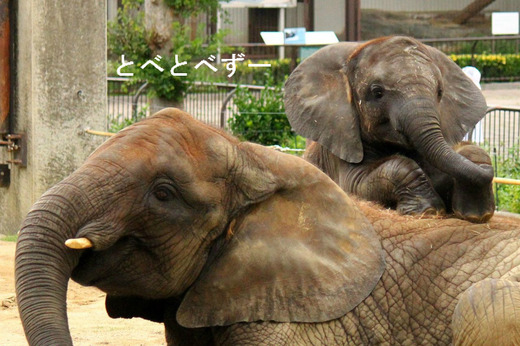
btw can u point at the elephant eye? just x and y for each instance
(163, 193)
(377, 91)
(439, 93)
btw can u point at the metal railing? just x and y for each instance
(125, 100)
(499, 133)
(208, 102)
(458, 45)
(211, 103)
(476, 45)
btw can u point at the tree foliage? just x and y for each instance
(188, 8)
(127, 35)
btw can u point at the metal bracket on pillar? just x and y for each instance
(5, 175)
(16, 146)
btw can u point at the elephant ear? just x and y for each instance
(462, 105)
(318, 102)
(305, 253)
(130, 307)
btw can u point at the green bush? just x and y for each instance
(492, 65)
(508, 195)
(277, 72)
(117, 123)
(126, 35)
(12, 238)
(261, 118)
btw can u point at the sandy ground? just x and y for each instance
(88, 320)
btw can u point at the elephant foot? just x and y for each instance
(474, 218)
(472, 202)
(420, 198)
(420, 206)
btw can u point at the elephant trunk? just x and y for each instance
(44, 264)
(423, 130)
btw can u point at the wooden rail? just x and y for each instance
(506, 181)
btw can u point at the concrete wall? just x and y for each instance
(60, 91)
(330, 16)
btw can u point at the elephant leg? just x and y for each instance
(488, 313)
(396, 181)
(471, 202)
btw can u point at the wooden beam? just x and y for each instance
(5, 79)
(308, 14)
(353, 20)
(471, 10)
(506, 181)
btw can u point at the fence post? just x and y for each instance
(223, 109)
(473, 48)
(135, 100)
(497, 201)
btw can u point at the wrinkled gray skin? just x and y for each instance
(234, 244)
(447, 281)
(192, 228)
(384, 116)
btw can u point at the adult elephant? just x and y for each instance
(384, 116)
(183, 224)
(232, 243)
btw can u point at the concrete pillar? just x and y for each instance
(60, 90)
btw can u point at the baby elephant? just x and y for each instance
(384, 115)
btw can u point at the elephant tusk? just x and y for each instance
(78, 243)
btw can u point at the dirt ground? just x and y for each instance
(502, 94)
(88, 320)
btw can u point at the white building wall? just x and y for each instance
(238, 25)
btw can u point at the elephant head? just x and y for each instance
(388, 92)
(170, 208)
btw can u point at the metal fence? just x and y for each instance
(208, 102)
(466, 45)
(476, 45)
(499, 133)
(461, 45)
(211, 103)
(125, 100)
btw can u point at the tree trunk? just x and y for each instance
(159, 18)
(471, 10)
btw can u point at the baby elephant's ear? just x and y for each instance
(318, 102)
(303, 254)
(462, 104)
